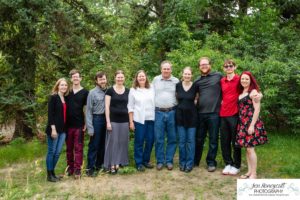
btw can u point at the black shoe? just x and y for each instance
(91, 173)
(50, 177)
(188, 170)
(148, 165)
(57, 177)
(181, 168)
(70, 173)
(141, 168)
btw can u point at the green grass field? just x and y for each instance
(22, 171)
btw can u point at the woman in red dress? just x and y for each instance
(250, 130)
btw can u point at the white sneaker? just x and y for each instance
(234, 171)
(226, 170)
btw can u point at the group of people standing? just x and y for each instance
(183, 112)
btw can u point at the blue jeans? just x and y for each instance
(143, 142)
(96, 149)
(54, 149)
(165, 122)
(207, 122)
(186, 145)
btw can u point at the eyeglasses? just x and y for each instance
(203, 65)
(228, 66)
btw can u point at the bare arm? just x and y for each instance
(196, 98)
(130, 106)
(257, 96)
(131, 124)
(107, 112)
(256, 105)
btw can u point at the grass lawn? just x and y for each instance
(22, 175)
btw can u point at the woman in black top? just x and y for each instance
(117, 124)
(56, 130)
(186, 119)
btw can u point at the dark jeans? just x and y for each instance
(143, 142)
(208, 122)
(228, 133)
(96, 149)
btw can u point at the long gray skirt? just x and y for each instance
(116, 145)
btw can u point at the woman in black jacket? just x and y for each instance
(55, 130)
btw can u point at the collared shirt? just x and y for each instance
(95, 105)
(165, 91)
(210, 93)
(229, 106)
(141, 103)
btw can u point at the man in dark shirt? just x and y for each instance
(76, 126)
(210, 96)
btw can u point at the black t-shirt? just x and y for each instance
(210, 93)
(118, 105)
(76, 102)
(186, 112)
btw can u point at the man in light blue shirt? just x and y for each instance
(165, 102)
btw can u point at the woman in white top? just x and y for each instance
(141, 119)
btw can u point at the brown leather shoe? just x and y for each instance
(169, 166)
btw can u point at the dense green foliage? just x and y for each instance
(40, 41)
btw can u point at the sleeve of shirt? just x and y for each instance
(51, 110)
(130, 104)
(109, 92)
(89, 114)
(86, 96)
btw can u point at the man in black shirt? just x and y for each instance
(76, 126)
(210, 96)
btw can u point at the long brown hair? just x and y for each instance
(136, 83)
(55, 87)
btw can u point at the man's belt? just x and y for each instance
(164, 109)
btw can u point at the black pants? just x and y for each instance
(208, 122)
(228, 135)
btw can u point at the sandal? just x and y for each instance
(244, 176)
(113, 171)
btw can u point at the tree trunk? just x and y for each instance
(23, 125)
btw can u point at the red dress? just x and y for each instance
(246, 111)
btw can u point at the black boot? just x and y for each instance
(53, 174)
(50, 177)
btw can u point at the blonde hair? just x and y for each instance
(188, 68)
(55, 87)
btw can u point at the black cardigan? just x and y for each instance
(55, 115)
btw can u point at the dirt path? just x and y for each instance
(151, 184)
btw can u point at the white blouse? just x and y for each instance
(141, 103)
